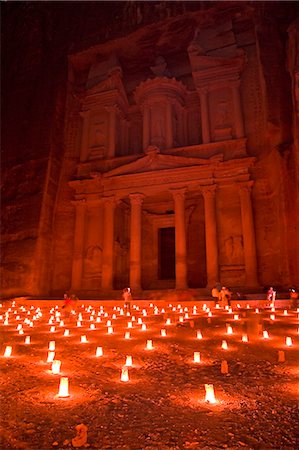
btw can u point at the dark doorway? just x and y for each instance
(166, 245)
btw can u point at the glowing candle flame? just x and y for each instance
(110, 330)
(64, 387)
(289, 341)
(52, 346)
(99, 351)
(196, 357)
(124, 374)
(198, 334)
(210, 396)
(127, 335)
(51, 356)
(244, 338)
(83, 339)
(143, 327)
(224, 367)
(129, 361)
(8, 351)
(27, 340)
(149, 344)
(56, 366)
(66, 333)
(265, 334)
(229, 329)
(224, 345)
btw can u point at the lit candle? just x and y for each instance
(99, 351)
(66, 333)
(130, 325)
(224, 345)
(168, 322)
(256, 310)
(124, 374)
(8, 351)
(244, 338)
(210, 396)
(210, 314)
(52, 330)
(79, 323)
(110, 330)
(272, 316)
(181, 319)
(108, 323)
(56, 366)
(21, 331)
(217, 306)
(196, 357)
(229, 329)
(139, 321)
(236, 316)
(83, 339)
(265, 334)
(163, 333)
(92, 326)
(52, 346)
(186, 316)
(149, 344)
(64, 387)
(129, 361)
(127, 335)
(289, 341)
(143, 327)
(285, 312)
(27, 340)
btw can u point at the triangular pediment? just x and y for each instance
(155, 161)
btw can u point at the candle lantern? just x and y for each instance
(217, 306)
(163, 333)
(289, 341)
(149, 344)
(210, 314)
(79, 323)
(168, 322)
(257, 310)
(130, 325)
(21, 331)
(285, 312)
(143, 327)
(83, 339)
(110, 330)
(224, 367)
(272, 316)
(124, 374)
(229, 329)
(64, 387)
(139, 321)
(198, 334)
(8, 351)
(265, 334)
(108, 323)
(27, 340)
(181, 319)
(236, 316)
(129, 361)
(52, 329)
(99, 352)
(210, 395)
(52, 346)
(224, 345)
(56, 366)
(127, 335)
(244, 338)
(66, 333)
(51, 356)
(196, 357)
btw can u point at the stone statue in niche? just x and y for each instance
(160, 68)
(158, 137)
(222, 117)
(93, 261)
(233, 247)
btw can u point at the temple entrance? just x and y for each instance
(166, 253)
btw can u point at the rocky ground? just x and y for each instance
(163, 405)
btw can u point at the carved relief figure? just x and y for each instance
(93, 261)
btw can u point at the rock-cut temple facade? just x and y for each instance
(171, 175)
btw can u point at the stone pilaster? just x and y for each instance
(79, 235)
(248, 233)
(239, 124)
(108, 243)
(180, 238)
(85, 131)
(204, 109)
(135, 241)
(209, 194)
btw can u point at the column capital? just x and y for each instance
(79, 203)
(136, 198)
(209, 191)
(111, 200)
(178, 193)
(204, 90)
(245, 186)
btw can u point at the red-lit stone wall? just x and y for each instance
(42, 128)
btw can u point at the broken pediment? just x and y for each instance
(153, 160)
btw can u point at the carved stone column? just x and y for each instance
(169, 130)
(211, 234)
(248, 234)
(146, 126)
(85, 130)
(238, 109)
(205, 122)
(79, 234)
(112, 131)
(108, 243)
(135, 241)
(180, 239)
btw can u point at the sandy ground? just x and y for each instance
(163, 405)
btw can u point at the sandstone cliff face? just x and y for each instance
(42, 127)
